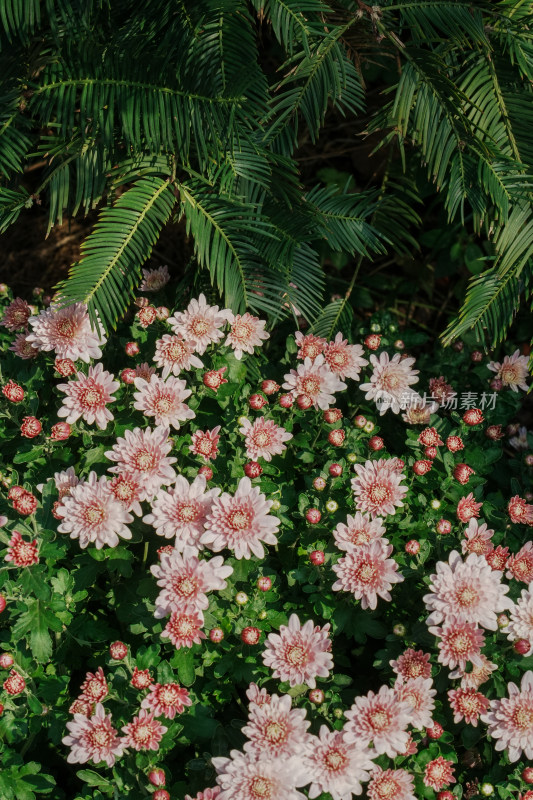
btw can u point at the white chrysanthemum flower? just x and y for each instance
(182, 510)
(67, 331)
(87, 397)
(390, 381)
(163, 400)
(315, 380)
(200, 323)
(92, 514)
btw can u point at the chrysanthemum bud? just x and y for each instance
(303, 401)
(430, 452)
(376, 443)
(161, 794)
(252, 469)
(286, 400)
(360, 421)
(435, 732)
(476, 356)
(206, 471)
(399, 629)
(157, 777)
(65, 367)
(369, 426)
(264, 583)
(372, 341)
(118, 651)
(215, 378)
(269, 387)
(313, 516)
(276, 505)
(319, 484)
(435, 504)
(422, 467)
(132, 349)
(412, 547)
(257, 401)
(13, 392)
(335, 470)
(317, 557)
(351, 457)
(60, 431)
(486, 789)
(502, 620)
(30, 428)
(332, 415)
(128, 375)
(332, 506)
(527, 775)
(336, 437)
(3, 603)
(251, 635)
(241, 598)
(316, 696)
(454, 444)
(496, 385)
(6, 660)
(474, 416)
(444, 526)
(522, 647)
(216, 635)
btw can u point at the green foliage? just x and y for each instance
(215, 99)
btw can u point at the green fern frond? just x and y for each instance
(113, 254)
(336, 316)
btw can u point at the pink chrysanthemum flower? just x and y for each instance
(205, 443)
(512, 372)
(521, 618)
(519, 511)
(65, 481)
(299, 654)
(418, 694)
(246, 332)
(241, 522)
(174, 354)
(467, 508)
(417, 411)
(94, 688)
(377, 487)
(334, 766)
(256, 695)
(368, 573)
(510, 720)
(391, 784)
(343, 359)
(315, 380)
(275, 730)
(357, 531)
(477, 538)
(16, 315)
(207, 794)
(87, 396)
(411, 664)
(141, 678)
(185, 581)
(381, 719)
(184, 630)
(154, 279)
(22, 347)
(68, 332)
(127, 490)
(439, 773)
(80, 706)
(478, 675)
(243, 777)
(467, 704)
(460, 641)
(309, 345)
(144, 371)
(163, 400)
(144, 455)
(21, 553)
(91, 513)
(93, 739)
(200, 323)
(166, 700)
(441, 390)
(469, 589)
(520, 566)
(182, 510)
(144, 732)
(389, 381)
(264, 438)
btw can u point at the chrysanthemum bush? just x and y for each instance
(244, 562)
